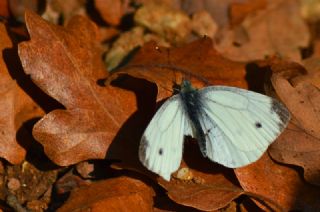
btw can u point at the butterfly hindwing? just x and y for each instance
(161, 145)
(239, 124)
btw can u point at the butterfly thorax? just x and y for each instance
(186, 87)
(192, 105)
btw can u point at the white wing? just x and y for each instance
(239, 124)
(162, 142)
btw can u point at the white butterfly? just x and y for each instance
(233, 127)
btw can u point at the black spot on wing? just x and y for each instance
(258, 125)
(160, 151)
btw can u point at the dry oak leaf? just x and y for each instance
(68, 182)
(65, 9)
(16, 107)
(17, 8)
(172, 24)
(299, 93)
(310, 10)
(213, 193)
(203, 24)
(239, 10)
(196, 61)
(126, 43)
(299, 89)
(278, 30)
(219, 10)
(202, 184)
(4, 9)
(312, 65)
(297, 147)
(117, 194)
(279, 184)
(66, 64)
(111, 10)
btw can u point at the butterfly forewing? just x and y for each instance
(162, 142)
(239, 124)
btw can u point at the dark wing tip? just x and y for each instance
(144, 144)
(282, 112)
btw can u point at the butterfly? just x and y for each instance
(233, 127)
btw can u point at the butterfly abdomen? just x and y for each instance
(192, 105)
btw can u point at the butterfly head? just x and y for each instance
(186, 86)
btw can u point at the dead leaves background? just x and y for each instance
(102, 116)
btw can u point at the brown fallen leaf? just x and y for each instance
(66, 64)
(68, 182)
(239, 10)
(203, 24)
(213, 194)
(279, 184)
(196, 61)
(208, 186)
(278, 30)
(297, 147)
(85, 169)
(117, 194)
(126, 43)
(4, 9)
(10, 149)
(172, 24)
(16, 107)
(17, 8)
(65, 9)
(111, 10)
(219, 10)
(312, 65)
(295, 88)
(310, 10)
(107, 33)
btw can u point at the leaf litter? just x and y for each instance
(95, 132)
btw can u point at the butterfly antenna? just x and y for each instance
(174, 81)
